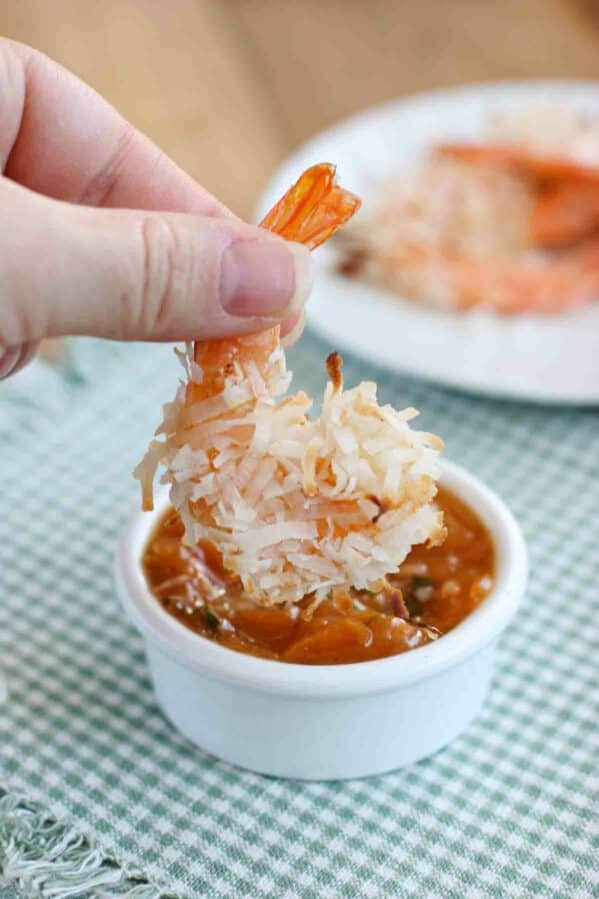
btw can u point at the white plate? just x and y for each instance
(537, 358)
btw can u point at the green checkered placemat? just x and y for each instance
(97, 785)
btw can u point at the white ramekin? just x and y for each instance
(327, 721)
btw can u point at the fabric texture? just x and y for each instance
(42, 856)
(508, 810)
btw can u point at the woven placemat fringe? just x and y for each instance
(42, 857)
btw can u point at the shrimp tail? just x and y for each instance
(313, 209)
(309, 213)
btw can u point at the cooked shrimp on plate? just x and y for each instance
(509, 224)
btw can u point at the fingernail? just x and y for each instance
(8, 360)
(265, 277)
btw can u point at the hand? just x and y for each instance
(102, 234)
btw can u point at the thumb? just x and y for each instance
(132, 275)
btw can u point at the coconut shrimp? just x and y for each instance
(509, 226)
(566, 193)
(296, 506)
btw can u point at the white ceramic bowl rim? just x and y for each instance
(325, 681)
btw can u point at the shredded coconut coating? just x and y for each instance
(296, 506)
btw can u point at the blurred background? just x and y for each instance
(229, 87)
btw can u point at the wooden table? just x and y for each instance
(228, 87)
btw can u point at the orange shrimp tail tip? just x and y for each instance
(313, 209)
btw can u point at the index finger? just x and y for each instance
(60, 138)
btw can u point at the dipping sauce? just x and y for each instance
(434, 590)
